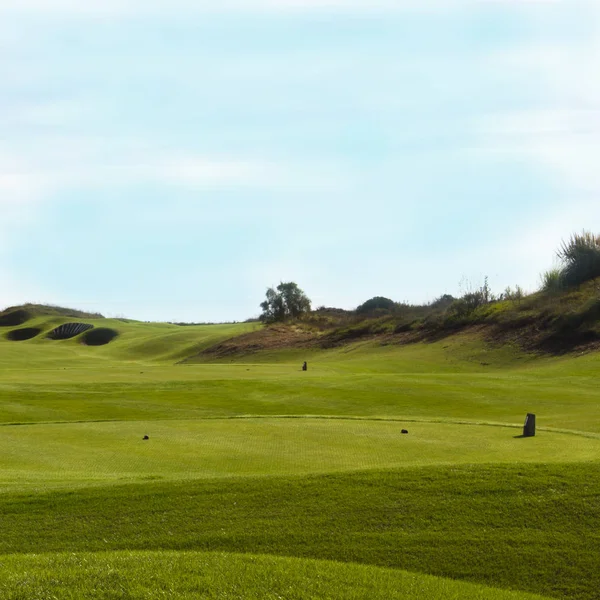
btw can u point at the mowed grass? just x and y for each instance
(192, 575)
(527, 527)
(79, 453)
(237, 462)
(121, 392)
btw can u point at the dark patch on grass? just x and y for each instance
(273, 337)
(99, 336)
(69, 330)
(14, 318)
(21, 335)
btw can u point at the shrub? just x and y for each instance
(377, 303)
(443, 302)
(467, 304)
(552, 281)
(581, 258)
(515, 295)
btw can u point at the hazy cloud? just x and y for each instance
(134, 8)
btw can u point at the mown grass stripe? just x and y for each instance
(525, 527)
(187, 575)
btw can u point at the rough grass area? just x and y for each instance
(544, 322)
(533, 528)
(193, 575)
(34, 310)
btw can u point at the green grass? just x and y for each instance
(526, 527)
(192, 575)
(251, 456)
(79, 453)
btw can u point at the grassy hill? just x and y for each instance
(259, 480)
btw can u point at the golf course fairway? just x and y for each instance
(143, 468)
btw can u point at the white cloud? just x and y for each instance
(44, 166)
(562, 143)
(135, 8)
(561, 135)
(208, 171)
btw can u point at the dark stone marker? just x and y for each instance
(529, 427)
(305, 366)
(405, 431)
(146, 437)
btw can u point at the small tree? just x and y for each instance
(287, 301)
(443, 302)
(376, 303)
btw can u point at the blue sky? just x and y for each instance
(171, 160)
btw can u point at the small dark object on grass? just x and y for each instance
(405, 431)
(305, 366)
(529, 427)
(146, 437)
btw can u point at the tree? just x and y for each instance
(285, 302)
(376, 303)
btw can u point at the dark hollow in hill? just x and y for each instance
(14, 318)
(20, 335)
(99, 336)
(68, 331)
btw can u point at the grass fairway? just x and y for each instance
(111, 452)
(260, 481)
(191, 575)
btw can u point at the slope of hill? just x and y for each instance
(541, 324)
(26, 338)
(169, 440)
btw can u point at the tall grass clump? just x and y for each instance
(552, 281)
(581, 258)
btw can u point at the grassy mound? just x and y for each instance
(14, 318)
(50, 310)
(532, 528)
(99, 336)
(191, 575)
(21, 335)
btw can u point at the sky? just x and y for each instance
(170, 160)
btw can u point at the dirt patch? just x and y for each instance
(275, 337)
(99, 336)
(21, 335)
(14, 318)
(69, 330)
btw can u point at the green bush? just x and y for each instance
(377, 303)
(581, 258)
(552, 281)
(467, 304)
